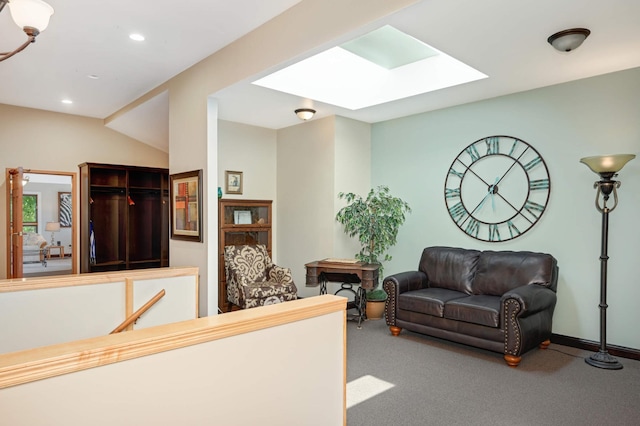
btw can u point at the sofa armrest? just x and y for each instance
(396, 284)
(531, 298)
(527, 314)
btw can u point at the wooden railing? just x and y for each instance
(137, 314)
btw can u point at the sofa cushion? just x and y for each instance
(430, 301)
(480, 309)
(501, 271)
(449, 267)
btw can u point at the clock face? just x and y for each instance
(497, 188)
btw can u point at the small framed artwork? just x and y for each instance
(233, 182)
(186, 206)
(242, 217)
(64, 209)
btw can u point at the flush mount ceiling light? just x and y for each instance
(305, 113)
(30, 15)
(568, 40)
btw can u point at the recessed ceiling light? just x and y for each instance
(93, 76)
(136, 37)
(67, 101)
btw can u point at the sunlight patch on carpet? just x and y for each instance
(365, 387)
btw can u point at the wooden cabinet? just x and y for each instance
(240, 222)
(127, 208)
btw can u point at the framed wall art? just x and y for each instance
(186, 206)
(64, 209)
(233, 182)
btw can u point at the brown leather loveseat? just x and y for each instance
(502, 301)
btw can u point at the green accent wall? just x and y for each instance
(595, 116)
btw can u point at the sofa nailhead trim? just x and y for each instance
(512, 324)
(390, 304)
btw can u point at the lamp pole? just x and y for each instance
(602, 358)
(607, 167)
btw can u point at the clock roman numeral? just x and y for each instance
(539, 184)
(494, 233)
(452, 192)
(473, 153)
(531, 164)
(513, 230)
(454, 172)
(458, 212)
(473, 227)
(514, 147)
(534, 209)
(493, 145)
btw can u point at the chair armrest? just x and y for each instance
(532, 298)
(279, 274)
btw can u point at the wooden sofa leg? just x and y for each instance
(395, 330)
(545, 344)
(512, 361)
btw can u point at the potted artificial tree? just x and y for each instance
(375, 221)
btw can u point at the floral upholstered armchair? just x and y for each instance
(253, 280)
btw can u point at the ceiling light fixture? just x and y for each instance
(30, 15)
(568, 40)
(136, 37)
(305, 113)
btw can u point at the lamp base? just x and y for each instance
(602, 359)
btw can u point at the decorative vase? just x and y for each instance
(219, 192)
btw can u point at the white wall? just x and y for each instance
(49, 141)
(564, 123)
(306, 161)
(252, 151)
(316, 160)
(352, 174)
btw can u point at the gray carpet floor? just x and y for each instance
(443, 383)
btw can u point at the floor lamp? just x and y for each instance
(607, 166)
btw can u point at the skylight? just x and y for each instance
(381, 66)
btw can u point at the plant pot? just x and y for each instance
(375, 309)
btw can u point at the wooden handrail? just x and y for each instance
(137, 314)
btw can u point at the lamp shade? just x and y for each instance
(607, 164)
(568, 40)
(52, 227)
(31, 13)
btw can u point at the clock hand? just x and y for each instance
(511, 167)
(492, 190)
(490, 193)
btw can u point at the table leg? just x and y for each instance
(361, 301)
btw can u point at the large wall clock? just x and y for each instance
(497, 188)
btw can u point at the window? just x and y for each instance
(30, 213)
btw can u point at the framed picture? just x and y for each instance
(186, 206)
(242, 217)
(233, 182)
(64, 209)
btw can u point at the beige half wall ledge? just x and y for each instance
(173, 372)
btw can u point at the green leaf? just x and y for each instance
(375, 221)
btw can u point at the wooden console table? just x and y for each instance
(348, 273)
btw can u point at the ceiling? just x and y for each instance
(504, 39)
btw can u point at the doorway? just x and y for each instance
(45, 241)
